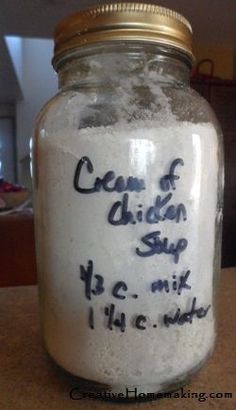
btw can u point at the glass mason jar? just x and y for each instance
(128, 179)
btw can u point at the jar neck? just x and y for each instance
(111, 65)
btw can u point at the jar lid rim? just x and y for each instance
(123, 21)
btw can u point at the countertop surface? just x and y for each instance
(30, 381)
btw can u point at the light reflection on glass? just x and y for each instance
(43, 133)
(142, 154)
(31, 149)
(196, 187)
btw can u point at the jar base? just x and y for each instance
(90, 389)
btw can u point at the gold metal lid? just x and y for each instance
(122, 22)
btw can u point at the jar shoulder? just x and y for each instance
(188, 105)
(48, 110)
(90, 107)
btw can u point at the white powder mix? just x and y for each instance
(73, 229)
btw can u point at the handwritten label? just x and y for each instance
(151, 245)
